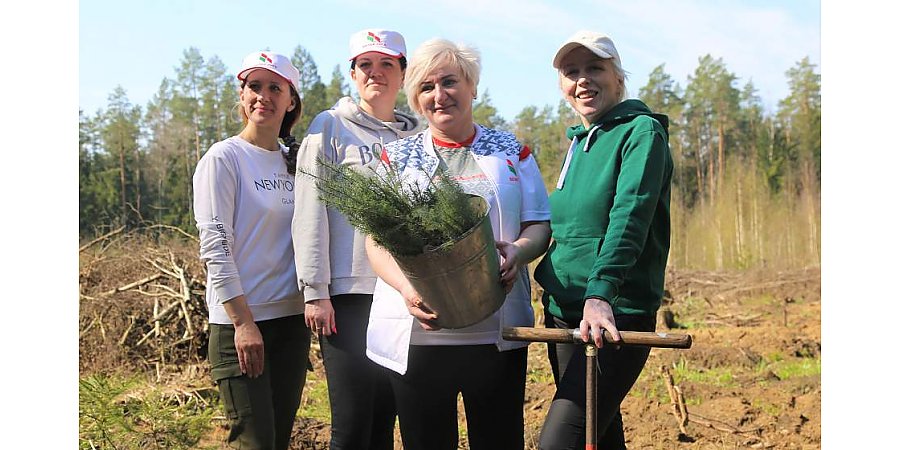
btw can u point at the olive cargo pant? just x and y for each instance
(262, 409)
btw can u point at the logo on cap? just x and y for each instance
(372, 38)
(265, 58)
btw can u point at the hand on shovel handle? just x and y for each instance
(561, 335)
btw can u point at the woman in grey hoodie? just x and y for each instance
(332, 267)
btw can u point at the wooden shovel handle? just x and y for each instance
(562, 335)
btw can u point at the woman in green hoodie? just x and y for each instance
(610, 227)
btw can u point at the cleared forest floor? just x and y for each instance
(751, 380)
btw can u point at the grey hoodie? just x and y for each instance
(330, 254)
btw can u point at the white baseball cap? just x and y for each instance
(599, 43)
(389, 42)
(273, 62)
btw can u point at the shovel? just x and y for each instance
(566, 336)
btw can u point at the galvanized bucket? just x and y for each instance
(460, 282)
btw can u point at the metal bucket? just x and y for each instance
(459, 282)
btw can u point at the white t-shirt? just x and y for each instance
(518, 195)
(460, 165)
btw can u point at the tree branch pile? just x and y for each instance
(142, 304)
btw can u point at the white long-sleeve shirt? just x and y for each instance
(243, 205)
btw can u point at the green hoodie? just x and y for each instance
(610, 216)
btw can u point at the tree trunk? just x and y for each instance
(740, 219)
(122, 181)
(137, 185)
(711, 177)
(809, 193)
(721, 168)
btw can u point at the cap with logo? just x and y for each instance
(273, 62)
(388, 42)
(598, 43)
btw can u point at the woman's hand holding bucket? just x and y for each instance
(509, 267)
(419, 309)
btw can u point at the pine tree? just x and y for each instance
(486, 114)
(338, 86)
(166, 161)
(309, 72)
(312, 91)
(663, 95)
(801, 116)
(119, 133)
(711, 109)
(94, 199)
(402, 103)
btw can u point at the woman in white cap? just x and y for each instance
(610, 220)
(243, 203)
(332, 268)
(431, 367)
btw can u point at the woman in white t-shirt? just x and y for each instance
(243, 203)
(431, 366)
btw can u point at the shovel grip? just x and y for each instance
(632, 338)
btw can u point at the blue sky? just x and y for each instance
(136, 43)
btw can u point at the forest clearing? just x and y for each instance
(752, 378)
(743, 269)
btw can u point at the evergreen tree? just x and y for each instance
(536, 130)
(801, 115)
(763, 208)
(309, 72)
(402, 103)
(95, 198)
(119, 133)
(218, 116)
(338, 86)
(189, 77)
(313, 96)
(314, 102)
(166, 161)
(711, 110)
(484, 113)
(760, 142)
(663, 95)
(186, 106)
(527, 128)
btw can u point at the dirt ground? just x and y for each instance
(749, 330)
(750, 380)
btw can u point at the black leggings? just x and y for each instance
(362, 404)
(492, 384)
(618, 369)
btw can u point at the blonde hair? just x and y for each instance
(434, 53)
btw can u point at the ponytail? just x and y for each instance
(290, 156)
(290, 119)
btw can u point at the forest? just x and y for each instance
(746, 190)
